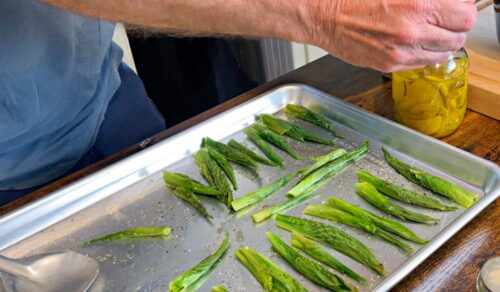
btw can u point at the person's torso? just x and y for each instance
(58, 71)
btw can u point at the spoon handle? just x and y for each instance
(14, 268)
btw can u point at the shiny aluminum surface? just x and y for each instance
(131, 193)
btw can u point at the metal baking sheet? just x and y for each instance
(131, 193)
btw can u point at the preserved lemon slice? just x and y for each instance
(426, 126)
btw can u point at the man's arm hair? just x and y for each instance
(253, 18)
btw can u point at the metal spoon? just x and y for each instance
(56, 271)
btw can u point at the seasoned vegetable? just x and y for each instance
(230, 153)
(200, 160)
(148, 231)
(262, 193)
(177, 180)
(340, 216)
(224, 164)
(256, 157)
(309, 247)
(191, 277)
(322, 160)
(308, 268)
(337, 165)
(384, 223)
(437, 185)
(281, 207)
(192, 199)
(219, 288)
(218, 175)
(283, 127)
(269, 275)
(402, 194)
(372, 196)
(275, 139)
(303, 113)
(333, 237)
(263, 146)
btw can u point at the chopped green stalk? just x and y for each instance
(269, 275)
(250, 153)
(324, 180)
(219, 288)
(338, 164)
(263, 146)
(191, 277)
(219, 177)
(192, 199)
(176, 180)
(438, 185)
(303, 113)
(368, 192)
(283, 127)
(203, 166)
(384, 223)
(230, 153)
(309, 247)
(262, 193)
(402, 194)
(333, 237)
(224, 164)
(308, 268)
(340, 216)
(275, 139)
(148, 231)
(322, 160)
(281, 207)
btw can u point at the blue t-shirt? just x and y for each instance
(58, 72)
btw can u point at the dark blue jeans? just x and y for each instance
(130, 118)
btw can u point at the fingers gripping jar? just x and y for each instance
(433, 99)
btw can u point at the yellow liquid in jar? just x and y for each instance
(433, 99)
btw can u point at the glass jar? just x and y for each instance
(433, 99)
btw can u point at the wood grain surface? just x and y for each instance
(454, 267)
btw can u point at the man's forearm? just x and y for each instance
(256, 18)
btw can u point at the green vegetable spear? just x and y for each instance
(340, 216)
(281, 207)
(219, 288)
(282, 127)
(190, 280)
(322, 160)
(333, 237)
(308, 268)
(269, 275)
(275, 139)
(372, 196)
(303, 113)
(218, 175)
(230, 153)
(263, 146)
(437, 185)
(262, 193)
(384, 223)
(192, 199)
(178, 180)
(256, 157)
(148, 231)
(309, 247)
(224, 164)
(335, 166)
(402, 194)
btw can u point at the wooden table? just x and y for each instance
(454, 267)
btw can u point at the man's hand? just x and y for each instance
(391, 35)
(387, 35)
